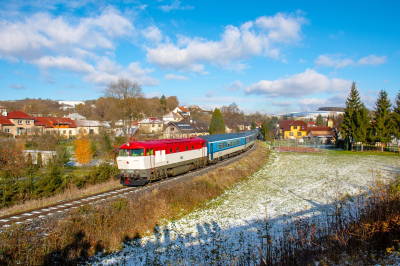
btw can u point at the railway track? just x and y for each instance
(60, 207)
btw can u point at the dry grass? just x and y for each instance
(104, 228)
(69, 193)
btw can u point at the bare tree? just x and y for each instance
(126, 94)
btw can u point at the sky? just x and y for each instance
(266, 56)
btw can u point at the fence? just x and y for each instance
(300, 145)
(377, 146)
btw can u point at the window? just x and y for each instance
(123, 152)
(302, 127)
(7, 130)
(136, 152)
(152, 125)
(170, 150)
(187, 148)
(291, 134)
(91, 131)
(219, 145)
(20, 122)
(28, 130)
(64, 132)
(177, 149)
(298, 133)
(70, 132)
(28, 122)
(295, 127)
(192, 148)
(172, 128)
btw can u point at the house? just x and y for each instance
(311, 124)
(330, 123)
(58, 125)
(6, 126)
(258, 124)
(76, 116)
(183, 111)
(3, 110)
(91, 126)
(185, 130)
(292, 129)
(24, 123)
(320, 134)
(151, 126)
(172, 117)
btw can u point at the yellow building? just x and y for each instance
(290, 129)
(330, 123)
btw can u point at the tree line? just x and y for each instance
(378, 125)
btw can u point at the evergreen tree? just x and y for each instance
(383, 125)
(253, 125)
(217, 124)
(163, 103)
(264, 129)
(320, 121)
(356, 118)
(396, 116)
(107, 142)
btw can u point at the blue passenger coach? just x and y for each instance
(222, 146)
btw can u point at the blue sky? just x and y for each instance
(263, 55)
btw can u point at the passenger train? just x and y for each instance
(140, 162)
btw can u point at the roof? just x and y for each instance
(286, 124)
(321, 133)
(199, 127)
(183, 109)
(315, 129)
(50, 122)
(88, 123)
(75, 115)
(299, 123)
(2, 107)
(5, 121)
(151, 121)
(18, 114)
(161, 143)
(172, 115)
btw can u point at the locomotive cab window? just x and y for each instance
(123, 152)
(136, 152)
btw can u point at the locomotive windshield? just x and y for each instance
(133, 152)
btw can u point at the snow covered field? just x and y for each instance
(229, 230)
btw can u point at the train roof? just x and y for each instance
(160, 143)
(227, 136)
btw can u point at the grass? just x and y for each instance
(69, 193)
(105, 227)
(365, 153)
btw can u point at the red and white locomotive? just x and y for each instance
(143, 161)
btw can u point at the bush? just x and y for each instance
(51, 183)
(101, 173)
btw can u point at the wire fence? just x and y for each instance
(300, 145)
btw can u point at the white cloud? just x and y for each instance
(284, 103)
(175, 77)
(41, 33)
(372, 60)
(336, 60)
(153, 94)
(175, 5)
(235, 86)
(152, 33)
(17, 86)
(298, 85)
(302, 61)
(225, 100)
(253, 38)
(64, 63)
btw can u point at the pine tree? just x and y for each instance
(264, 129)
(163, 103)
(383, 125)
(396, 116)
(356, 118)
(320, 121)
(217, 124)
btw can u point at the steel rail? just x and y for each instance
(29, 215)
